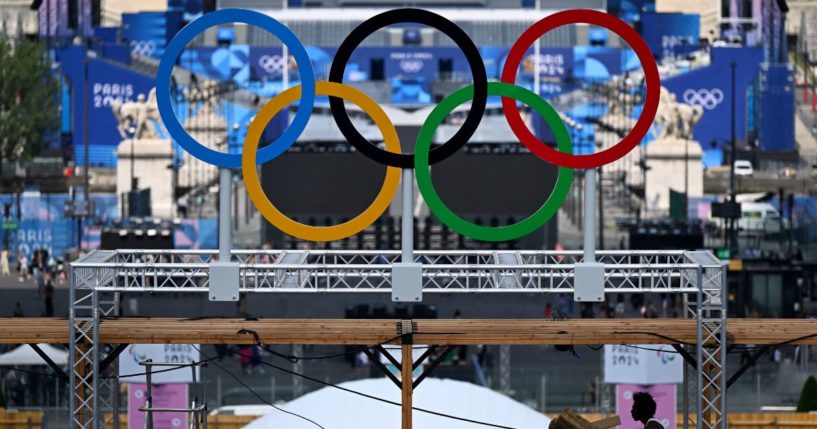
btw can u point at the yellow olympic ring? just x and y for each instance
(309, 232)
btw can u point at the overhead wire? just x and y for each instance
(254, 393)
(365, 395)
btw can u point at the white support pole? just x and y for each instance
(407, 235)
(224, 273)
(590, 215)
(225, 230)
(407, 275)
(588, 275)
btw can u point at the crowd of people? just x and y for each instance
(564, 307)
(42, 268)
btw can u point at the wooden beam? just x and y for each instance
(406, 365)
(134, 330)
(33, 330)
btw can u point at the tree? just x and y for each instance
(808, 398)
(28, 99)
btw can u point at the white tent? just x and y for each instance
(25, 355)
(336, 409)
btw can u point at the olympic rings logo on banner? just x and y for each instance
(709, 99)
(142, 48)
(271, 63)
(392, 157)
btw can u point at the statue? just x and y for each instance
(206, 94)
(673, 150)
(676, 120)
(142, 155)
(137, 116)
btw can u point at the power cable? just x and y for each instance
(355, 392)
(26, 371)
(172, 368)
(250, 389)
(294, 358)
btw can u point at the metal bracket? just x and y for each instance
(407, 282)
(397, 382)
(57, 370)
(588, 282)
(376, 362)
(434, 364)
(406, 329)
(111, 357)
(688, 358)
(750, 363)
(224, 281)
(423, 357)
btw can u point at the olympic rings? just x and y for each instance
(460, 38)
(286, 224)
(455, 222)
(177, 45)
(652, 78)
(708, 99)
(425, 156)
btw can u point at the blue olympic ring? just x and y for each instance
(177, 45)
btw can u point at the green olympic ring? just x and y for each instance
(454, 221)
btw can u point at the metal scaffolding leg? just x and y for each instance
(92, 394)
(298, 367)
(505, 369)
(711, 338)
(82, 314)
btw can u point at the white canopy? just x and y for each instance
(25, 355)
(333, 408)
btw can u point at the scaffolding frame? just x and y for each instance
(98, 279)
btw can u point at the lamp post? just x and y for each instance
(686, 178)
(132, 135)
(733, 242)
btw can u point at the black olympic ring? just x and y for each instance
(460, 38)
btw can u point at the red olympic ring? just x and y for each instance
(644, 54)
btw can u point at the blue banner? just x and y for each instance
(107, 82)
(147, 33)
(54, 236)
(710, 88)
(671, 34)
(776, 88)
(196, 234)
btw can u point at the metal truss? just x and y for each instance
(99, 277)
(361, 271)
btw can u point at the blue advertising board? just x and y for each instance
(196, 234)
(189, 9)
(147, 33)
(42, 223)
(710, 87)
(222, 63)
(671, 34)
(630, 11)
(776, 113)
(107, 81)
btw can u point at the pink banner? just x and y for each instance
(665, 401)
(172, 395)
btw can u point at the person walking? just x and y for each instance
(48, 296)
(4, 262)
(22, 266)
(18, 310)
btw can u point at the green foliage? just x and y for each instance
(28, 98)
(808, 398)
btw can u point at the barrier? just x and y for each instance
(742, 420)
(21, 419)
